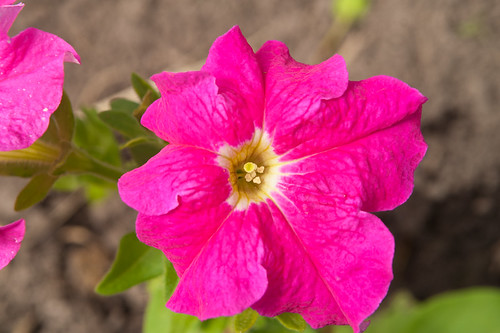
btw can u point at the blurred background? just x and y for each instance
(447, 234)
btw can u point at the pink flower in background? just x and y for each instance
(261, 199)
(31, 80)
(11, 236)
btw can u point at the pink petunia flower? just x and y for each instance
(261, 199)
(31, 79)
(11, 236)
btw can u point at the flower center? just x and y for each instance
(252, 170)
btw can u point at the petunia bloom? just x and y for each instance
(31, 79)
(11, 236)
(261, 199)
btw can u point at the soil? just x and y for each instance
(447, 234)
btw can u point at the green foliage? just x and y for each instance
(36, 189)
(245, 320)
(135, 263)
(171, 280)
(292, 321)
(159, 319)
(123, 122)
(464, 311)
(142, 87)
(350, 11)
(124, 105)
(461, 311)
(96, 138)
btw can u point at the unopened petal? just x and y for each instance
(176, 174)
(11, 237)
(8, 14)
(31, 82)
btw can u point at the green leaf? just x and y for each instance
(95, 188)
(135, 262)
(148, 99)
(350, 11)
(36, 189)
(171, 280)
(96, 138)
(123, 105)
(292, 321)
(159, 319)
(141, 86)
(64, 119)
(394, 316)
(37, 158)
(463, 311)
(142, 149)
(245, 320)
(123, 123)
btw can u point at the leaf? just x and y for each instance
(37, 158)
(123, 105)
(350, 11)
(142, 149)
(64, 119)
(159, 319)
(292, 321)
(36, 189)
(148, 99)
(141, 86)
(135, 262)
(394, 317)
(463, 311)
(171, 280)
(96, 138)
(245, 320)
(123, 123)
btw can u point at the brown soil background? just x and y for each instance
(447, 234)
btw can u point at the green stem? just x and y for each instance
(79, 161)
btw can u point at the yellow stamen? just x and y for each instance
(249, 167)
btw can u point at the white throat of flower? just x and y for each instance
(252, 168)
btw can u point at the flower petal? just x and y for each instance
(377, 169)
(176, 174)
(294, 92)
(217, 255)
(31, 81)
(328, 262)
(367, 106)
(233, 63)
(7, 16)
(11, 237)
(220, 104)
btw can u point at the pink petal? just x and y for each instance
(7, 16)
(31, 81)
(220, 104)
(367, 106)
(326, 261)
(377, 170)
(11, 237)
(176, 174)
(217, 255)
(234, 64)
(295, 91)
